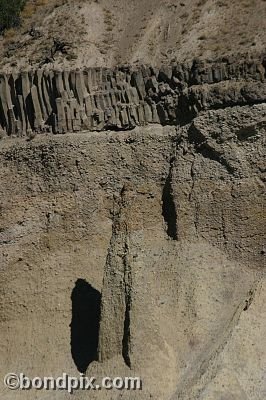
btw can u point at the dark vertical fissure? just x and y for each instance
(126, 337)
(168, 206)
(128, 284)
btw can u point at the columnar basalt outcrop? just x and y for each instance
(97, 99)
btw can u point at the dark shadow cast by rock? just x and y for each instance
(85, 324)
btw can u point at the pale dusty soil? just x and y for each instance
(197, 327)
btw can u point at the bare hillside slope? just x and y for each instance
(109, 32)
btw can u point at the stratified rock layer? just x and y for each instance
(99, 99)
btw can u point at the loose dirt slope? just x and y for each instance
(107, 32)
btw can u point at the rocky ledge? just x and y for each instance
(96, 99)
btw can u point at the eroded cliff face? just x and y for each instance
(132, 211)
(162, 229)
(97, 99)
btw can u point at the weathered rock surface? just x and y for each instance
(132, 218)
(123, 98)
(168, 225)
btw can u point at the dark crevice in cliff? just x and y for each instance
(85, 324)
(192, 198)
(212, 154)
(127, 285)
(126, 336)
(193, 179)
(250, 299)
(208, 149)
(168, 206)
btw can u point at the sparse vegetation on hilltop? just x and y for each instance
(110, 32)
(10, 13)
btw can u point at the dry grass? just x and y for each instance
(39, 3)
(28, 10)
(131, 27)
(31, 7)
(10, 33)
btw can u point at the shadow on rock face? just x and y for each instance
(85, 324)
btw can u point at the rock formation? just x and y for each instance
(163, 224)
(123, 98)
